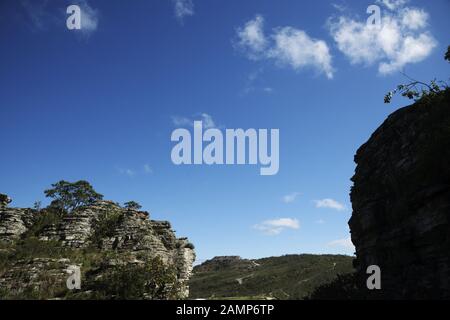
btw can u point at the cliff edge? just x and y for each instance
(401, 201)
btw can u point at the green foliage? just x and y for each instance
(45, 218)
(132, 205)
(32, 247)
(106, 225)
(418, 90)
(190, 245)
(286, 277)
(152, 280)
(344, 287)
(69, 196)
(4, 198)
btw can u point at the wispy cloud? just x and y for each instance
(276, 226)
(208, 121)
(254, 83)
(286, 46)
(126, 171)
(131, 172)
(329, 203)
(320, 221)
(38, 14)
(291, 197)
(148, 169)
(339, 7)
(43, 17)
(393, 4)
(252, 39)
(182, 9)
(345, 243)
(89, 18)
(399, 40)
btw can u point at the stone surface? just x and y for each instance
(14, 222)
(132, 234)
(401, 201)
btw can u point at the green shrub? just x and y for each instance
(44, 219)
(190, 245)
(106, 225)
(153, 280)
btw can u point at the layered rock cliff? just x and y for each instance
(95, 238)
(401, 201)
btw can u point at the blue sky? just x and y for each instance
(100, 104)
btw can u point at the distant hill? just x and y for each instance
(285, 277)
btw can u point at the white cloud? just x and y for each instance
(329, 203)
(276, 226)
(291, 197)
(181, 121)
(345, 242)
(148, 169)
(131, 172)
(398, 41)
(393, 4)
(295, 48)
(207, 120)
(414, 18)
(89, 18)
(286, 46)
(126, 171)
(255, 83)
(252, 38)
(320, 221)
(339, 7)
(183, 8)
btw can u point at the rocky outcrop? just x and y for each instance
(103, 225)
(14, 222)
(401, 201)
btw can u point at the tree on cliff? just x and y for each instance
(417, 90)
(132, 205)
(69, 196)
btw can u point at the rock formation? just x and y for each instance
(128, 233)
(401, 201)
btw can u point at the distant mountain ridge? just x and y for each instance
(285, 277)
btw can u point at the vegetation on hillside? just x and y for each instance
(37, 266)
(286, 277)
(105, 273)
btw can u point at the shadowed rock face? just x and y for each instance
(401, 201)
(133, 234)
